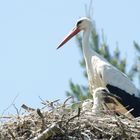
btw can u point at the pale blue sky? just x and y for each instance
(30, 31)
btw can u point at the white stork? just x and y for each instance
(101, 73)
(107, 103)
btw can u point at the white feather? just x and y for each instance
(108, 74)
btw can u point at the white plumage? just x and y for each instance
(98, 101)
(87, 105)
(104, 73)
(101, 73)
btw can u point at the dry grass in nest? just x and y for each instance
(57, 121)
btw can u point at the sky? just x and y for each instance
(30, 31)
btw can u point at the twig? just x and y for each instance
(42, 118)
(52, 130)
(27, 108)
(42, 101)
(127, 113)
(77, 115)
(106, 133)
(10, 105)
(86, 135)
(11, 134)
(63, 107)
(5, 117)
(49, 104)
(121, 126)
(88, 131)
(18, 114)
(64, 104)
(52, 103)
(111, 137)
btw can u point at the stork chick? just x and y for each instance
(98, 100)
(106, 102)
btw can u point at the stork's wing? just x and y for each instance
(114, 77)
(115, 106)
(117, 83)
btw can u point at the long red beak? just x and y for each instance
(75, 31)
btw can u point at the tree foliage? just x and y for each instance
(98, 44)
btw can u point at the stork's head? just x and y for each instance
(100, 93)
(83, 23)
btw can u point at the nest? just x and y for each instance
(57, 121)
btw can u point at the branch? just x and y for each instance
(51, 131)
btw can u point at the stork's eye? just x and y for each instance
(79, 22)
(104, 90)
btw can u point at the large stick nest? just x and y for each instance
(57, 121)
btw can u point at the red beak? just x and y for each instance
(75, 31)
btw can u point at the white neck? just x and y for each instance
(97, 107)
(85, 43)
(87, 51)
(97, 102)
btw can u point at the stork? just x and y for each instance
(101, 73)
(106, 102)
